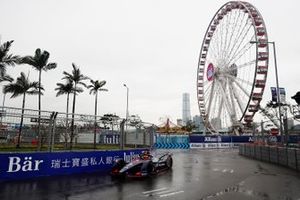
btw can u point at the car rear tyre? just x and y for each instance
(169, 162)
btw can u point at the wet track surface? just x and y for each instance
(196, 174)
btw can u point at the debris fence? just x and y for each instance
(109, 131)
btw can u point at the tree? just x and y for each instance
(7, 59)
(67, 89)
(40, 63)
(296, 97)
(5, 78)
(190, 126)
(22, 86)
(110, 119)
(95, 87)
(77, 78)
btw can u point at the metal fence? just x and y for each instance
(56, 132)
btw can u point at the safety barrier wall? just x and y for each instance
(199, 141)
(31, 165)
(289, 157)
(196, 141)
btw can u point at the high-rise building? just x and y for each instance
(179, 122)
(198, 122)
(186, 108)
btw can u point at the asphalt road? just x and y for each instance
(196, 174)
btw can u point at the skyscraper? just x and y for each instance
(186, 108)
(198, 122)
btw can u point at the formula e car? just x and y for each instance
(144, 166)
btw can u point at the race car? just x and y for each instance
(144, 166)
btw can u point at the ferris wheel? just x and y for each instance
(233, 67)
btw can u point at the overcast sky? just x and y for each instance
(151, 45)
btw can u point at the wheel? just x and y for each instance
(118, 164)
(232, 68)
(169, 162)
(150, 168)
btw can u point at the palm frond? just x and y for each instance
(92, 91)
(5, 77)
(15, 89)
(90, 86)
(37, 54)
(4, 48)
(34, 92)
(64, 88)
(81, 83)
(78, 90)
(11, 60)
(50, 66)
(92, 81)
(22, 86)
(28, 60)
(67, 76)
(2, 68)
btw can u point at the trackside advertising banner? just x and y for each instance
(30, 165)
(212, 142)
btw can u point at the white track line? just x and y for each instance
(163, 192)
(172, 193)
(156, 190)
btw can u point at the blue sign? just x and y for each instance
(171, 142)
(30, 165)
(294, 138)
(220, 139)
(274, 94)
(217, 141)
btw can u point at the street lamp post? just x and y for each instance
(124, 138)
(277, 88)
(126, 101)
(278, 93)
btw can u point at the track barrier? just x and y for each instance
(15, 166)
(285, 156)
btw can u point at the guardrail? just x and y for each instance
(289, 157)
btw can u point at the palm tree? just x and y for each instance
(40, 63)
(7, 59)
(95, 87)
(5, 78)
(77, 78)
(22, 86)
(67, 89)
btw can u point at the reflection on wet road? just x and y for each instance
(196, 174)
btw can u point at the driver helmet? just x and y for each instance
(145, 155)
